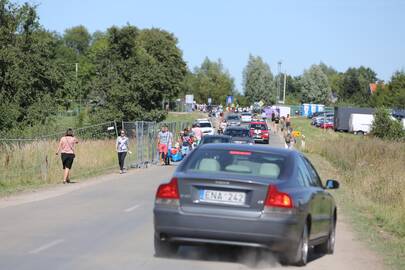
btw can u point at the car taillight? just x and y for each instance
(169, 190)
(276, 198)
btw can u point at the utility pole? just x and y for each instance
(77, 85)
(279, 82)
(285, 85)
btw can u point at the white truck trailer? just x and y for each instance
(360, 123)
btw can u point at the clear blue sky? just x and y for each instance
(341, 33)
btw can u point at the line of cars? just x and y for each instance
(245, 125)
(236, 128)
(346, 119)
(323, 120)
(229, 192)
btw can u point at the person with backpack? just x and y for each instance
(186, 142)
(67, 150)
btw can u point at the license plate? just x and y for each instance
(226, 197)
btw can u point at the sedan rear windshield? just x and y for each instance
(237, 132)
(259, 164)
(233, 117)
(259, 126)
(205, 124)
(213, 139)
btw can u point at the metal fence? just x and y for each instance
(33, 160)
(143, 140)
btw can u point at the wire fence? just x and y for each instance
(34, 161)
(143, 139)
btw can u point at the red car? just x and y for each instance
(259, 131)
(327, 125)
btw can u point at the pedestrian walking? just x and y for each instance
(288, 139)
(122, 147)
(164, 142)
(282, 124)
(185, 142)
(67, 150)
(197, 133)
(288, 121)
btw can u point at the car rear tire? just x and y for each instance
(266, 141)
(328, 247)
(299, 255)
(165, 248)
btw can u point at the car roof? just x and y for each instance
(258, 122)
(245, 147)
(237, 128)
(217, 136)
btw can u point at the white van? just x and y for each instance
(360, 123)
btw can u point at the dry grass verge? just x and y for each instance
(372, 173)
(35, 163)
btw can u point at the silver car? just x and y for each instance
(244, 195)
(233, 120)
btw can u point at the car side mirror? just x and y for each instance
(332, 184)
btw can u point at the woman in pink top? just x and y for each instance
(67, 150)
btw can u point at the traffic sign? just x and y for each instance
(296, 133)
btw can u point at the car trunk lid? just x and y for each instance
(222, 195)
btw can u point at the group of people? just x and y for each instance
(186, 141)
(168, 146)
(66, 149)
(283, 125)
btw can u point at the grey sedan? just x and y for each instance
(245, 195)
(240, 135)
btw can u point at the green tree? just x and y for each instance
(27, 90)
(258, 81)
(77, 38)
(210, 80)
(134, 71)
(355, 85)
(385, 127)
(396, 89)
(315, 86)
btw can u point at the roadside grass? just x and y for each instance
(184, 116)
(373, 184)
(29, 165)
(34, 164)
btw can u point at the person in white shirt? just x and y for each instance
(122, 147)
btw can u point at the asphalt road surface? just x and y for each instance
(106, 223)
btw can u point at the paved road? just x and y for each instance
(106, 223)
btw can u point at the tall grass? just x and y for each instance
(375, 171)
(35, 163)
(372, 173)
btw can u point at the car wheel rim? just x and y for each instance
(332, 238)
(304, 248)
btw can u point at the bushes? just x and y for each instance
(385, 127)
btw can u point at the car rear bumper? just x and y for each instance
(276, 232)
(260, 139)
